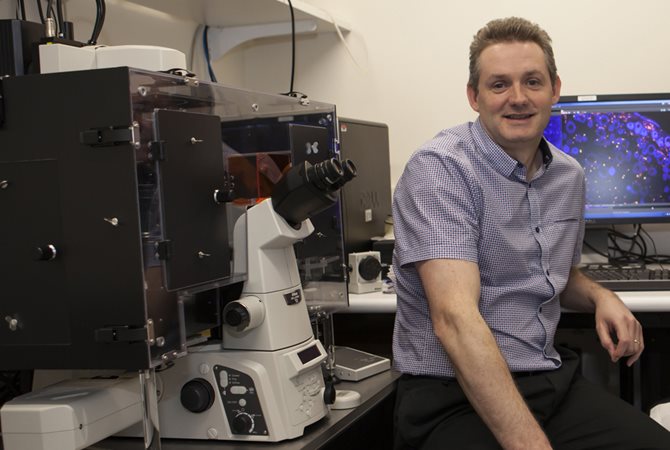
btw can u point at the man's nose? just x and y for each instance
(518, 94)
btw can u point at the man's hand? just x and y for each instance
(619, 331)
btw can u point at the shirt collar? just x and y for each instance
(499, 159)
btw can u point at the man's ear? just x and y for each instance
(556, 94)
(472, 98)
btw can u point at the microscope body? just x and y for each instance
(264, 381)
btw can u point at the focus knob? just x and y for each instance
(197, 395)
(369, 268)
(236, 315)
(242, 423)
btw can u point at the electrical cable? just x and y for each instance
(40, 10)
(626, 249)
(601, 253)
(205, 47)
(290, 5)
(656, 258)
(22, 6)
(99, 21)
(61, 22)
(637, 250)
(291, 92)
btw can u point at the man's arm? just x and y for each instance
(619, 331)
(453, 290)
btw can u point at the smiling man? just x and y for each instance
(488, 220)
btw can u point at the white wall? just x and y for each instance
(415, 57)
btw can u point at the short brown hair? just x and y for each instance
(510, 29)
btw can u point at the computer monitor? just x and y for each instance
(623, 144)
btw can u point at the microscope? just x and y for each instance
(135, 248)
(263, 381)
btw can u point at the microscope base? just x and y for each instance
(255, 396)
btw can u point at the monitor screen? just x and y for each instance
(623, 144)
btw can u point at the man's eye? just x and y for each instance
(498, 86)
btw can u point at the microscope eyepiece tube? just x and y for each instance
(325, 174)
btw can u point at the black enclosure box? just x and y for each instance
(117, 243)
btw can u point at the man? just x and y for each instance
(489, 225)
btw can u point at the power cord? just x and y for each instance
(205, 47)
(20, 10)
(40, 10)
(291, 93)
(100, 12)
(624, 248)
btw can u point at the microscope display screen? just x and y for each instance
(309, 354)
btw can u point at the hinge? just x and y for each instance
(164, 249)
(157, 150)
(98, 137)
(122, 333)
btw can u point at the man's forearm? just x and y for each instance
(486, 381)
(580, 292)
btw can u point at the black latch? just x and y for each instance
(107, 136)
(164, 249)
(157, 150)
(121, 333)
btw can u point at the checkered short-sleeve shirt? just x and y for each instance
(462, 197)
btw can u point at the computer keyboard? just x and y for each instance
(629, 278)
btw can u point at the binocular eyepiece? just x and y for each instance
(331, 174)
(307, 189)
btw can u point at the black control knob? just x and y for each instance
(236, 315)
(223, 195)
(369, 268)
(45, 252)
(197, 395)
(242, 424)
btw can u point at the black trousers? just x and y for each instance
(433, 413)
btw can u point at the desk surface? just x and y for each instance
(373, 390)
(637, 301)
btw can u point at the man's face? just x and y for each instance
(515, 94)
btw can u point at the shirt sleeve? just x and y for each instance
(435, 208)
